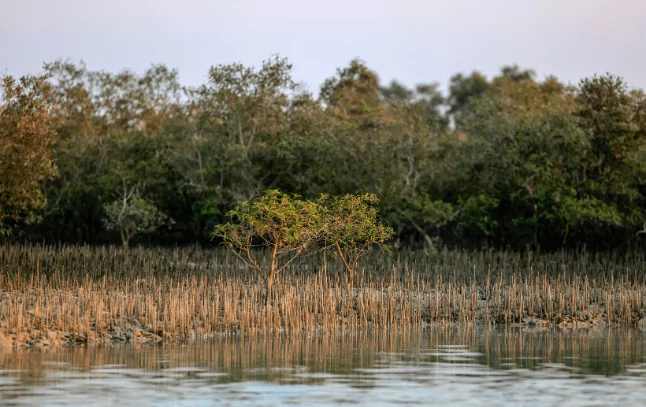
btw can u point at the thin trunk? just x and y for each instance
(418, 228)
(199, 160)
(345, 262)
(240, 136)
(270, 283)
(567, 231)
(325, 259)
(124, 240)
(272, 272)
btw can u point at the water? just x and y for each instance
(442, 366)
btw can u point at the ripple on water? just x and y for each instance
(444, 367)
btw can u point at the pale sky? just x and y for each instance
(410, 40)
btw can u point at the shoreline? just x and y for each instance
(79, 295)
(130, 329)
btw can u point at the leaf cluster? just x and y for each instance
(287, 224)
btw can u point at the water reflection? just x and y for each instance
(451, 365)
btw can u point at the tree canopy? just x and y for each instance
(26, 157)
(508, 161)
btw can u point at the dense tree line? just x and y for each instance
(513, 160)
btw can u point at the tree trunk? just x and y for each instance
(345, 262)
(125, 240)
(272, 272)
(270, 285)
(427, 239)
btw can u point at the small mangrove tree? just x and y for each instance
(290, 226)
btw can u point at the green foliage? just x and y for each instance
(132, 215)
(289, 226)
(26, 137)
(503, 161)
(477, 214)
(462, 91)
(285, 224)
(352, 227)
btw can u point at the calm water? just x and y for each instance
(447, 366)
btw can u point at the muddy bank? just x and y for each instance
(113, 319)
(64, 296)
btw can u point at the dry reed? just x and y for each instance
(72, 294)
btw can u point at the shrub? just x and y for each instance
(290, 226)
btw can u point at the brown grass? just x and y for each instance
(84, 294)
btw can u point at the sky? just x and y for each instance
(413, 41)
